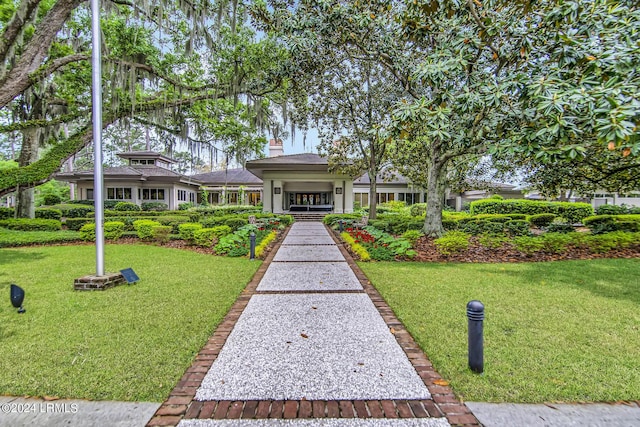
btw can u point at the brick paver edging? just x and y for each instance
(181, 404)
(457, 413)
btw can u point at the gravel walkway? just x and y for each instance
(311, 343)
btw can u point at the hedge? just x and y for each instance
(7, 213)
(112, 231)
(228, 209)
(76, 224)
(208, 237)
(26, 224)
(154, 206)
(48, 213)
(73, 210)
(126, 207)
(573, 212)
(187, 231)
(542, 220)
(611, 223)
(144, 228)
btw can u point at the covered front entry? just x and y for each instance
(302, 182)
(306, 201)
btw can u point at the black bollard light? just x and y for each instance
(252, 246)
(340, 226)
(475, 314)
(17, 297)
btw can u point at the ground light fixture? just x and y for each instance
(17, 297)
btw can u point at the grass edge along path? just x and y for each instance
(130, 343)
(560, 331)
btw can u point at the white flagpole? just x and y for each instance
(98, 179)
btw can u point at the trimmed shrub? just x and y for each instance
(600, 224)
(419, 209)
(113, 230)
(187, 231)
(126, 206)
(51, 199)
(205, 237)
(161, 233)
(26, 224)
(453, 242)
(76, 223)
(494, 217)
(6, 213)
(476, 227)
(593, 221)
(154, 206)
(229, 210)
(574, 212)
(611, 210)
(542, 220)
(48, 213)
(517, 227)
(332, 219)
(236, 223)
(209, 237)
(185, 206)
(88, 232)
(144, 228)
(77, 212)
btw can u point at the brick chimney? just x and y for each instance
(275, 148)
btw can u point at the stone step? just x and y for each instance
(308, 216)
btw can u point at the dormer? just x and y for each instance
(147, 158)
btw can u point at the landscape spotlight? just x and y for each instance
(17, 296)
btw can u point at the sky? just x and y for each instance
(296, 146)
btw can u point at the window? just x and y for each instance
(152, 193)
(232, 197)
(118, 193)
(409, 198)
(192, 197)
(385, 197)
(182, 195)
(89, 193)
(254, 198)
(143, 162)
(361, 198)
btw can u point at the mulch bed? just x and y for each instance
(507, 253)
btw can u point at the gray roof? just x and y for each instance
(291, 159)
(142, 172)
(228, 177)
(145, 155)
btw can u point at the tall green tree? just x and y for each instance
(542, 80)
(160, 58)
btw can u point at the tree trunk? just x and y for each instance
(373, 200)
(435, 196)
(25, 198)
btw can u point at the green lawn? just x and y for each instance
(132, 342)
(561, 331)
